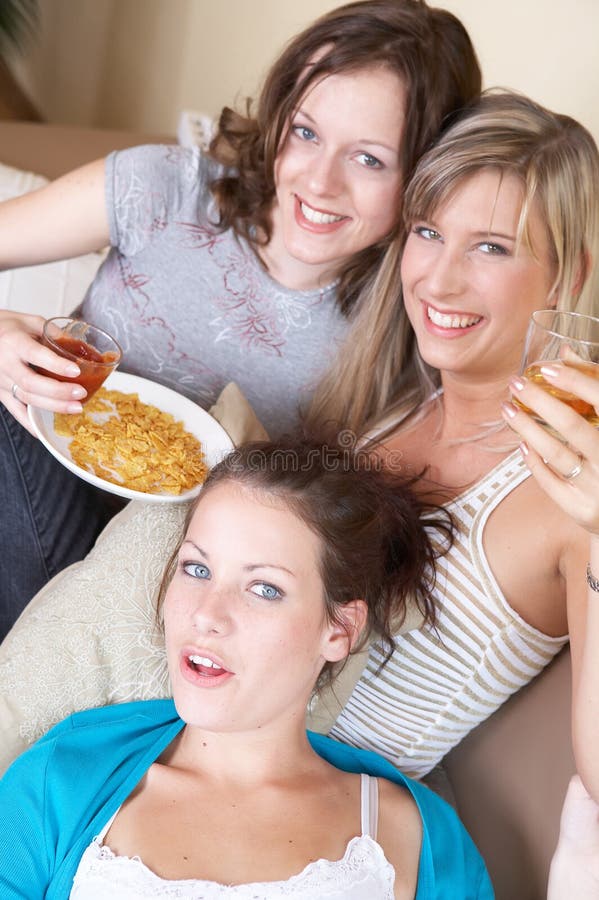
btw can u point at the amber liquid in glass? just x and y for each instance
(584, 409)
(95, 367)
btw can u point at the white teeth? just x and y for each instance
(203, 661)
(319, 218)
(446, 321)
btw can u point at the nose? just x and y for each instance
(212, 613)
(325, 175)
(446, 276)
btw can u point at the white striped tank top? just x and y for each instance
(442, 682)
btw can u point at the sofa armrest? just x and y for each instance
(509, 777)
(52, 150)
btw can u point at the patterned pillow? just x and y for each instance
(89, 637)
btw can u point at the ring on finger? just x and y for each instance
(14, 389)
(575, 470)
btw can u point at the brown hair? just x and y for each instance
(380, 371)
(374, 546)
(429, 49)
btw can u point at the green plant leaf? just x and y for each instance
(18, 19)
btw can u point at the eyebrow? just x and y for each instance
(248, 568)
(269, 566)
(487, 233)
(199, 549)
(495, 234)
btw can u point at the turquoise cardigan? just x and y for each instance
(57, 796)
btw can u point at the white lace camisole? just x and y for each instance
(441, 682)
(362, 872)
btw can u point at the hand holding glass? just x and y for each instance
(95, 352)
(550, 332)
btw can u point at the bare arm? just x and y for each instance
(578, 496)
(575, 865)
(66, 218)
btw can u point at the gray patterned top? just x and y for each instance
(191, 306)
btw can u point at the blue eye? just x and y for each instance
(304, 133)
(196, 570)
(268, 591)
(369, 161)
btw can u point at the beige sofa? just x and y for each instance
(510, 775)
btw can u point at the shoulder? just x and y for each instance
(450, 865)
(163, 164)
(400, 832)
(91, 752)
(116, 715)
(151, 187)
(102, 728)
(57, 793)
(397, 803)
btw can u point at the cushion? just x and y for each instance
(89, 637)
(52, 289)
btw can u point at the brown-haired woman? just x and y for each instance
(239, 264)
(222, 794)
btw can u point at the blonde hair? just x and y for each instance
(379, 369)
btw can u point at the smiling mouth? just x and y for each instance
(317, 217)
(457, 320)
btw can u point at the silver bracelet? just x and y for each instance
(592, 582)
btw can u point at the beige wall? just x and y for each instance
(137, 63)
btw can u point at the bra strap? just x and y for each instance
(369, 805)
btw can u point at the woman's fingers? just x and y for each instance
(576, 376)
(565, 461)
(18, 410)
(566, 421)
(20, 384)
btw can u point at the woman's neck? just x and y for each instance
(249, 757)
(470, 405)
(290, 272)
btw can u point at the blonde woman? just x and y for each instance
(502, 219)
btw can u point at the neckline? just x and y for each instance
(105, 854)
(510, 458)
(260, 266)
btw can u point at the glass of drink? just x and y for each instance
(549, 333)
(95, 352)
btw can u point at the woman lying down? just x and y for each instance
(290, 558)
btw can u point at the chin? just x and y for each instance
(198, 713)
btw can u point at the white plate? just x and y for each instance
(216, 443)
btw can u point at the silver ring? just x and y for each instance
(14, 389)
(575, 470)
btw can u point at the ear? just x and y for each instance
(343, 635)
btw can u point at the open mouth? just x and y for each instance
(452, 320)
(204, 666)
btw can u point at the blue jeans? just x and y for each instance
(49, 518)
